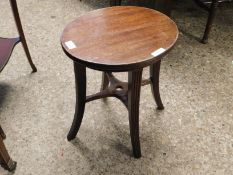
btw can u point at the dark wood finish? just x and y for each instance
(154, 76)
(128, 93)
(5, 160)
(128, 35)
(80, 83)
(21, 33)
(115, 88)
(118, 39)
(105, 81)
(6, 47)
(7, 44)
(134, 86)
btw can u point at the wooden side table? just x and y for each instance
(118, 39)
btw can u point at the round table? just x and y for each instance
(118, 39)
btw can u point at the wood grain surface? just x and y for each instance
(119, 38)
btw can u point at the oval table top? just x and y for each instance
(119, 38)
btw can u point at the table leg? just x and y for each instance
(154, 76)
(134, 87)
(80, 83)
(105, 81)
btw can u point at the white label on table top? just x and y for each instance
(158, 52)
(70, 45)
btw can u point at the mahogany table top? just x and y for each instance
(119, 38)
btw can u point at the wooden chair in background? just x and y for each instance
(211, 7)
(6, 47)
(7, 44)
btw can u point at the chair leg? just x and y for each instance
(154, 76)
(5, 159)
(212, 12)
(80, 82)
(21, 33)
(24, 43)
(134, 87)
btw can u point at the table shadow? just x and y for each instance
(4, 91)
